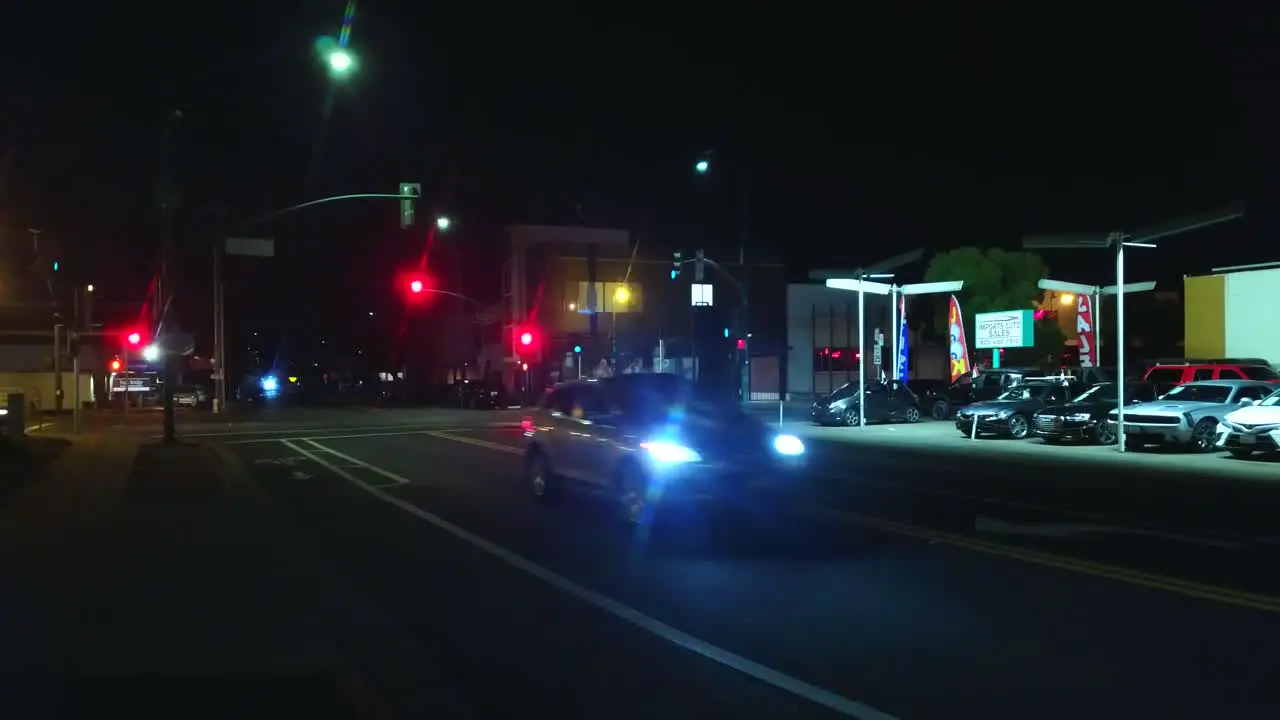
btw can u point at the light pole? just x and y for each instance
(1094, 293)
(1118, 241)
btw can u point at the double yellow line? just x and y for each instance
(1187, 588)
(1239, 598)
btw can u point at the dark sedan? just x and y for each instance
(1085, 418)
(1009, 415)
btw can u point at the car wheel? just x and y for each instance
(537, 473)
(851, 416)
(1104, 433)
(940, 409)
(1018, 426)
(633, 493)
(912, 415)
(1202, 434)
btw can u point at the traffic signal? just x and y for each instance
(742, 344)
(577, 349)
(115, 365)
(56, 265)
(726, 332)
(676, 260)
(133, 338)
(526, 342)
(416, 286)
(409, 193)
(526, 339)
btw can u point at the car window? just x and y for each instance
(1098, 393)
(1025, 392)
(590, 401)
(1229, 374)
(1271, 399)
(1161, 376)
(990, 380)
(1202, 374)
(1251, 393)
(1199, 393)
(559, 400)
(1260, 372)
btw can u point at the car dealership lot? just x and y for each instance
(942, 439)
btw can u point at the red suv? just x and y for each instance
(1166, 376)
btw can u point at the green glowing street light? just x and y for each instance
(341, 63)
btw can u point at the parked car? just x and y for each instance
(1085, 417)
(1188, 414)
(1010, 414)
(1252, 428)
(969, 389)
(886, 401)
(190, 396)
(1166, 376)
(645, 439)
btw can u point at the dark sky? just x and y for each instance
(863, 132)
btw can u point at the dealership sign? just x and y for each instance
(1006, 329)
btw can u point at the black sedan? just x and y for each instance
(1085, 418)
(1009, 415)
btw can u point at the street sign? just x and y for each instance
(1006, 329)
(251, 247)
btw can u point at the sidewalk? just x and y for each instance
(131, 564)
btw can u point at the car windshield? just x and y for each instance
(1260, 372)
(1199, 393)
(1272, 399)
(1026, 391)
(647, 395)
(1098, 393)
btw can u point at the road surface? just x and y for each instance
(906, 584)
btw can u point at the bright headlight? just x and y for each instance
(669, 452)
(788, 445)
(1079, 417)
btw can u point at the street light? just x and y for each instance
(443, 223)
(341, 63)
(89, 288)
(621, 295)
(1118, 241)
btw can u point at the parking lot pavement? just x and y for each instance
(564, 610)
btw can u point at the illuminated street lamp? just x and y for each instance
(341, 63)
(443, 223)
(151, 353)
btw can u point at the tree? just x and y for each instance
(996, 280)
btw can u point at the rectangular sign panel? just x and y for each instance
(1010, 328)
(252, 247)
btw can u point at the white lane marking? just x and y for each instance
(356, 462)
(800, 688)
(407, 427)
(314, 436)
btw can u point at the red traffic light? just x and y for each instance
(115, 366)
(133, 337)
(742, 344)
(416, 286)
(526, 338)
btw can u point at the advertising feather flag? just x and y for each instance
(902, 337)
(959, 348)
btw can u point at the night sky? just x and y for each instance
(861, 133)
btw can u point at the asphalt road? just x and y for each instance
(906, 584)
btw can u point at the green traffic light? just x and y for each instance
(55, 266)
(674, 273)
(577, 348)
(701, 167)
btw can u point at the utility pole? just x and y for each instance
(164, 290)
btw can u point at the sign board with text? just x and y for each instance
(1005, 329)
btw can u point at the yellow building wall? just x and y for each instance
(1204, 316)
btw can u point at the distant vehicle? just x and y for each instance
(1085, 417)
(886, 401)
(648, 439)
(1189, 414)
(1251, 428)
(1010, 413)
(190, 396)
(1166, 376)
(968, 389)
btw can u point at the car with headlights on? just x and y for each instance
(1188, 414)
(1251, 428)
(646, 440)
(1009, 415)
(886, 401)
(1085, 417)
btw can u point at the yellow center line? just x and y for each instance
(1239, 598)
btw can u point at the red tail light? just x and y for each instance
(527, 424)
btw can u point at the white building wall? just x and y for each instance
(1251, 324)
(819, 317)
